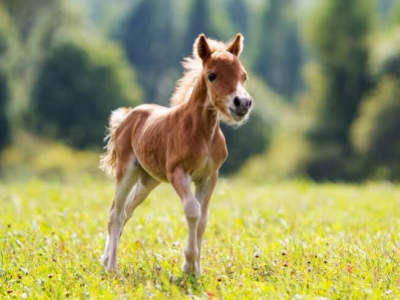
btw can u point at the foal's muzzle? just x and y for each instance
(242, 106)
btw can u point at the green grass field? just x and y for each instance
(295, 240)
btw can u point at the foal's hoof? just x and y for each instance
(107, 266)
(114, 273)
(104, 260)
(111, 267)
(191, 269)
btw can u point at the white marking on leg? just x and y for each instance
(117, 217)
(192, 213)
(181, 183)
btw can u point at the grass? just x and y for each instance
(293, 240)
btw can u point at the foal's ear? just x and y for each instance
(202, 47)
(236, 46)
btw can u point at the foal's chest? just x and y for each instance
(211, 158)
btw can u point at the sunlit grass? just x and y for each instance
(291, 240)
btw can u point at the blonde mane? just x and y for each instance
(193, 67)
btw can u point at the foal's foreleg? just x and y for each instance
(181, 183)
(116, 217)
(204, 190)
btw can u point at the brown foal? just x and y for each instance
(151, 144)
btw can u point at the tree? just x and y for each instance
(396, 13)
(376, 131)
(245, 141)
(79, 85)
(200, 21)
(337, 36)
(148, 37)
(338, 79)
(35, 24)
(312, 138)
(279, 58)
(384, 9)
(239, 15)
(4, 121)
(6, 32)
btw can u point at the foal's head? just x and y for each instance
(225, 76)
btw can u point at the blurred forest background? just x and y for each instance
(324, 74)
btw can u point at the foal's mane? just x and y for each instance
(193, 67)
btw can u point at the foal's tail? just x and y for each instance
(108, 160)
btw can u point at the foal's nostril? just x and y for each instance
(249, 103)
(236, 101)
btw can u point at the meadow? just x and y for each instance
(290, 240)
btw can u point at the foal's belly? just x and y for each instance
(150, 152)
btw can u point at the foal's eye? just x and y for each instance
(211, 76)
(245, 77)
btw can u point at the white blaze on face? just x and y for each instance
(240, 91)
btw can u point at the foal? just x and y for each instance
(151, 144)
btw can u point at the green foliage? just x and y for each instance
(239, 16)
(4, 120)
(284, 158)
(199, 22)
(5, 28)
(78, 87)
(32, 157)
(279, 57)
(385, 54)
(396, 13)
(245, 141)
(337, 80)
(337, 35)
(277, 241)
(312, 137)
(148, 38)
(376, 132)
(32, 28)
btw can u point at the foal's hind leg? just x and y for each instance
(127, 175)
(144, 185)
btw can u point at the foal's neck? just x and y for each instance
(203, 112)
